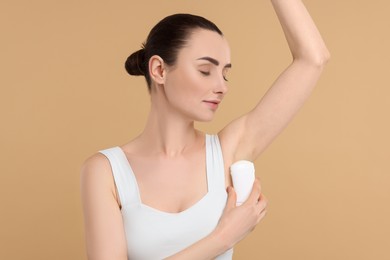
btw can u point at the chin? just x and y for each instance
(204, 118)
(201, 116)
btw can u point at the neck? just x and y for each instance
(168, 133)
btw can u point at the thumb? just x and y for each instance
(232, 198)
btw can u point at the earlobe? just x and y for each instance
(157, 69)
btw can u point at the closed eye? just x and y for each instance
(224, 72)
(207, 73)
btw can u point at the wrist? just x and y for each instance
(219, 238)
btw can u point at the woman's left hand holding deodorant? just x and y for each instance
(237, 222)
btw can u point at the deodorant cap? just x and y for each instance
(243, 176)
(242, 165)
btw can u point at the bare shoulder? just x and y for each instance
(96, 167)
(96, 173)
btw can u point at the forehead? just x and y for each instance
(202, 43)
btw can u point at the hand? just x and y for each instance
(237, 222)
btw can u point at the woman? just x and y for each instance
(167, 193)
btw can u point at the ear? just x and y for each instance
(157, 69)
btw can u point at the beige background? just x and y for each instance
(65, 95)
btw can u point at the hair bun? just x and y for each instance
(135, 63)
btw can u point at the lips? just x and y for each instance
(213, 101)
(213, 104)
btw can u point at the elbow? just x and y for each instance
(323, 59)
(318, 59)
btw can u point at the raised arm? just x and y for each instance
(249, 135)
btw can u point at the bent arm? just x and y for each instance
(207, 248)
(104, 230)
(103, 226)
(249, 135)
(230, 229)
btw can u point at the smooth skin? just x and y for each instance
(177, 149)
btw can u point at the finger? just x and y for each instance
(232, 198)
(262, 203)
(261, 216)
(255, 193)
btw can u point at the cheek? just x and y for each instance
(195, 82)
(185, 82)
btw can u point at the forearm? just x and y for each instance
(301, 33)
(205, 249)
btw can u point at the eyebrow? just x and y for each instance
(215, 62)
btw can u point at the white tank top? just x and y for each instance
(152, 234)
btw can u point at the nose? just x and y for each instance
(220, 86)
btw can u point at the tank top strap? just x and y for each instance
(215, 164)
(124, 178)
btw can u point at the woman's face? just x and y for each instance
(197, 82)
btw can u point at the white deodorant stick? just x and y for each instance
(243, 176)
